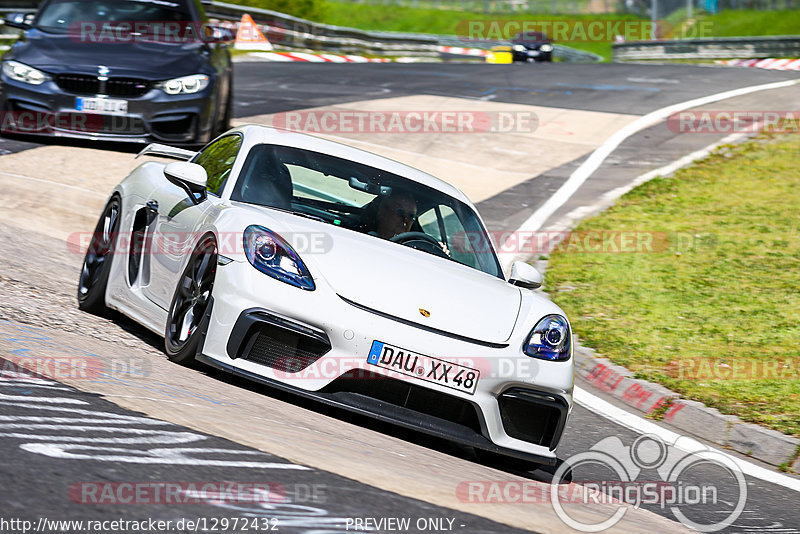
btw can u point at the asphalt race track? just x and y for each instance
(71, 441)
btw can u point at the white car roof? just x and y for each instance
(259, 134)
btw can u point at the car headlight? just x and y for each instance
(549, 340)
(518, 48)
(546, 48)
(23, 73)
(272, 255)
(185, 84)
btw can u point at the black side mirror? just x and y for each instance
(21, 21)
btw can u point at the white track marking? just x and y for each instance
(637, 424)
(582, 173)
(152, 456)
(46, 400)
(608, 198)
(582, 397)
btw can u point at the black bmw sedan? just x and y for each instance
(531, 46)
(127, 70)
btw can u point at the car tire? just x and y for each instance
(184, 332)
(97, 261)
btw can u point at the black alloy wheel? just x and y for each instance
(187, 322)
(97, 262)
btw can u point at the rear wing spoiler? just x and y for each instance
(167, 152)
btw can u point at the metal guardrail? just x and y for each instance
(572, 55)
(709, 48)
(286, 31)
(291, 32)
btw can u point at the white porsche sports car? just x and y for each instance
(339, 275)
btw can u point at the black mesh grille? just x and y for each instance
(90, 85)
(282, 349)
(407, 395)
(535, 419)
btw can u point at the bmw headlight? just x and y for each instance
(185, 84)
(23, 73)
(518, 48)
(549, 340)
(272, 255)
(546, 48)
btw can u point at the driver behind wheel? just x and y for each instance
(396, 213)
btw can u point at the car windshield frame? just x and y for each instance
(348, 194)
(171, 11)
(530, 37)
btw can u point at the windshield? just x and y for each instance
(530, 37)
(367, 200)
(62, 16)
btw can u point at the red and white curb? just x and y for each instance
(314, 58)
(460, 51)
(305, 57)
(769, 63)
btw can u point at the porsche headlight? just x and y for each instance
(185, 84)
(272, 255)
(546, 48)
(518, 48)
(23, 73)
(549, 340)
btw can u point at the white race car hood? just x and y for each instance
(401, 282)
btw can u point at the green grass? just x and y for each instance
(749, 23)
(307, 9)
(444, 22)
(452, 22)
(719, 300)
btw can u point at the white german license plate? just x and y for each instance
(101, 105)
(427, 368)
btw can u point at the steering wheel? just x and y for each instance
(421, 241)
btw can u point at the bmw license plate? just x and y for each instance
(101, 105)
(427, 368)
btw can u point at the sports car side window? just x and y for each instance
(217, 159)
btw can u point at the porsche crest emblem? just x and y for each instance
(424, 313)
